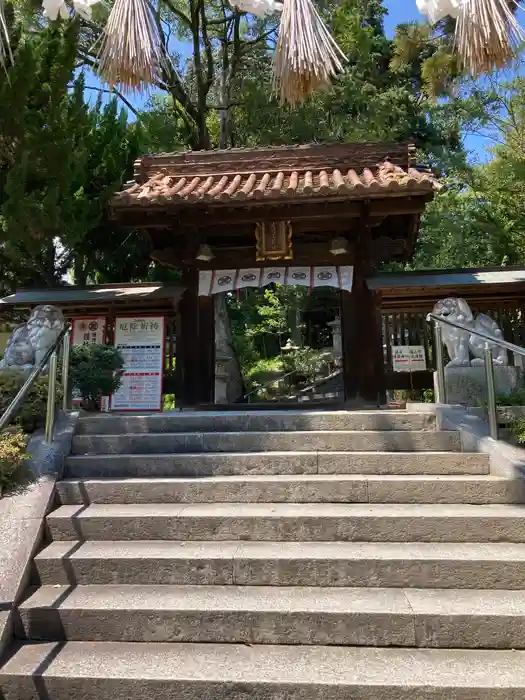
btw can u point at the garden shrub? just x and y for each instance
(32, 413)
(95, 371)
(515, 398)
(13, 470)
(517, 430)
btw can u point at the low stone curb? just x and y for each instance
(22, 516)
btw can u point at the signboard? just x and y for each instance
(274, 240)
(88, 331)
(140, 339)
(409, 358)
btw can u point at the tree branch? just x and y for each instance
(113, 91)
(247, 45)
(178, 13)
(207, 47)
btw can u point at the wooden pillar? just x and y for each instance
(196, 344)
(188, 343)
(206, 349)
(361, 327)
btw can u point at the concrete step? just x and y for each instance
(139, 671)
(209, 422)
(469, 565)
(484, 619)
(306, 441)
(298, 488)
(226, 464)
(290, 522)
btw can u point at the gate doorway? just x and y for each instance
(287, 340)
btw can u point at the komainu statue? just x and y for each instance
(461, 344)
(30, 341)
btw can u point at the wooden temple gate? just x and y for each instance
(344, 207)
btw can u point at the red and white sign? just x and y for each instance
(140, 340)
(409, 358)
(88, 331)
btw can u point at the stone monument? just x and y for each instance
(228, 377)
(30, 341)
(465, 380)
(337, 341)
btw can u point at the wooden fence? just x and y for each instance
(411, 328)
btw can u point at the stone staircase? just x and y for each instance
(275, 556)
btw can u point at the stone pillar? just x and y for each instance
(337, 341)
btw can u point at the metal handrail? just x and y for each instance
(489, 364)
(318, 382)
(51, 356)
(273, 381)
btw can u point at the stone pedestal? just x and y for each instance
(468, 385)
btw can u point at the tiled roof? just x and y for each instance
(341, 172)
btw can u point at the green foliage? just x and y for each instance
(95, 371)
(306, 363)
(13, 472)
(428, 396)
(517, 430)
(515, 398)
(60, 162)
(32, 414)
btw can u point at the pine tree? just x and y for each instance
(60, 161)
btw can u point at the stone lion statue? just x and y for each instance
(30, 341)
(461, 344)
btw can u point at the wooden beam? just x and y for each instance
(204, 216)
(303, 254)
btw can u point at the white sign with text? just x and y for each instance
(409, 358)
(140, 340)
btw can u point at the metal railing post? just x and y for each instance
(440, 364)
(491, 393)
(66, 348)
(51, 398)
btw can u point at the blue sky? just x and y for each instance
(399, 11)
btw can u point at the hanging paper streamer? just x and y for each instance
(217, 281)
(299, 276)
(223, 281)
(346, 277)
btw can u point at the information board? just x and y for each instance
(140, 340)
(409, 358)
(88, 331)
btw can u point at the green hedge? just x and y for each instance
(32, 414)
(13, 472)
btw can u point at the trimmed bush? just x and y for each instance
(13, 471)
(95, 371)
(32, 413)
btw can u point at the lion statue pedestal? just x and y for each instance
(465, 380)
(468, 385)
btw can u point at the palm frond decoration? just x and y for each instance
(487, 35)
(131, 53)
(5, 43)
(306, 57)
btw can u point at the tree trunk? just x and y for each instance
(224, 347)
